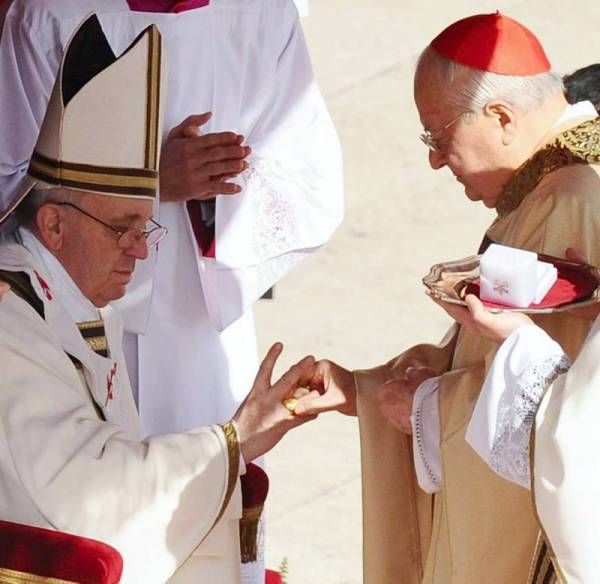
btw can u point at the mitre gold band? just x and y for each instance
(104, 179)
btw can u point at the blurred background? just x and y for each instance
(360, 301)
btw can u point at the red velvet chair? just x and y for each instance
(273, 577)
(32, 554)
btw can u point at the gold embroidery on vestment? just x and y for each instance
(90, 324)
(97, 344)
(93, 334)
(233, 452)
(578, 145)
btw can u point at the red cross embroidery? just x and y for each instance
(501, 287)
(44, 286)
(110, 380)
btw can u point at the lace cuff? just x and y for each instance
(425, 421)
(525, 364)
(510, 451)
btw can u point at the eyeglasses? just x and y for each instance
(129, 238)
(428, 137)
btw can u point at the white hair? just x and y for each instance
(470, 90)
(36, 198)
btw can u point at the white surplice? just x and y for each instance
(194, 353)
(500, 427)
(531, 385)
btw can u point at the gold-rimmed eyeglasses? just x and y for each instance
(128, 238)
(430, 137)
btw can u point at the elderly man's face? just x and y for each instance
(472, 147)
(89, 251)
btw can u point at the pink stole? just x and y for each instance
(166, 5)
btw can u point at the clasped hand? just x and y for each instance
(333, 388)
(397, 395)
(196, 166)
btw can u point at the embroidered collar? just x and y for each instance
(577, 145)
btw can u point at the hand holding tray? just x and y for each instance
(577, 285)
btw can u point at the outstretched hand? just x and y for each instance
(196, 166)
(332, 388)
(262, 419)
(479, 321)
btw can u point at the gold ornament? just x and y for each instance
(290, 404)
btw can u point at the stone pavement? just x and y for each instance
(360, 300)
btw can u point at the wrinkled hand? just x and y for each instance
(396, 397)
(479, 321)
(332, 388)
(4, 288)
(262, 419)
(196, 166)
(587, 312)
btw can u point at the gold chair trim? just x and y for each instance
(8, 576)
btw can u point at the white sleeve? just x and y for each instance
(425, 421)
(29, 60)
(499, 431)
(293, 188)
(292, 199)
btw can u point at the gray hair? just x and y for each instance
(37, 197)
(470, 89)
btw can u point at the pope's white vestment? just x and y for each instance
(191, 347)
(71, 455)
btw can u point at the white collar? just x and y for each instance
(577, 110)
(78, 307)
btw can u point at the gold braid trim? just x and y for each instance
(86, 325)
(233, 451)
(544, 568)
(578, 145)
(15, 577)
(249, 533)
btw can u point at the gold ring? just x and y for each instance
(290, 404)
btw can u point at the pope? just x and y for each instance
(72, 451)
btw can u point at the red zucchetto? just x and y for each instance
(494, 43)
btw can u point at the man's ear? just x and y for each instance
(505, 119)
(50, 224)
